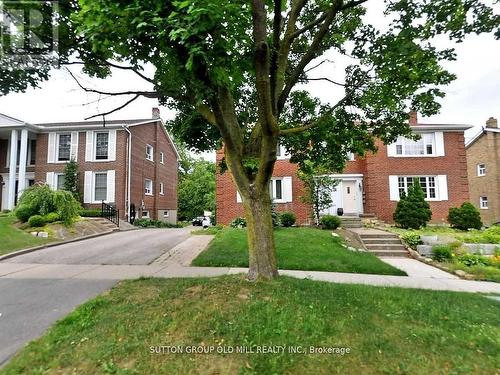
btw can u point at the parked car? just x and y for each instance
(198, 221)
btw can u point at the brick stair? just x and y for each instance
(104, 223)
(384, 244)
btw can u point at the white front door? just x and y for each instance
(350, 197)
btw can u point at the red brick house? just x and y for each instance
(111, 157)
(372, 185)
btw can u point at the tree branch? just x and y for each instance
(309, 26)
(147, 94)
(325, 79)
(352, 4)
(310, 54)
(276, 47)
(317, 65)
(114, 110)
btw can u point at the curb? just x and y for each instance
(32, 249)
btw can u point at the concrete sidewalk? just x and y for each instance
(171, 270)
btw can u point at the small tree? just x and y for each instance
(464, 217)
(412, 210)
(318, 190)
(71, 179)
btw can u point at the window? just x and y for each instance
(101, 186)
(32, 152)
(424, 146)
(161, 188)
(148, 187)
(350, 156)
(428, 184)
(161, 157)
(166, 214)
(483, 203)
(481, 169)
(145, 214)
(63, 147)
(60, 182)
(281, 153)
(276, 186)
(101, 146)
(149, 152)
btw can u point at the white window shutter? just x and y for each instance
(287, 189)
(50, 180)
(74, 146)
(87, 187)
(238, 197)
(89, 146)
(112, 145)
(111, 186)
(51, 149)
(391, 149)
(393, 188)
(443, 187)
(439, 143)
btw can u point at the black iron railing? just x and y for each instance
(110, 213)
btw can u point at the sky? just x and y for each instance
(471, 99)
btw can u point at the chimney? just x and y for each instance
(413, 118)
(492, 123)
(156, 112)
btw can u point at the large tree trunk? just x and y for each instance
(261, 248)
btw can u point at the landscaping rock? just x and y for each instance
(481, 248)
(43, 234)
(460, 273)
(429, 240)
(424, 249)
(34, 234)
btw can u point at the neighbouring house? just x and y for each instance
(483, 164)
(125, 163)
(372, 185)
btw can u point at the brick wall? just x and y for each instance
(485, 150)
(379, 167)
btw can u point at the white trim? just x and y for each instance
(150, 156)
(49, 180)
(483, 200)
(481, 171)
(94, 174)
(162, 189)
(439, 144)
(56, 150)
(87, 187)
(73, 150)
(238, 197)
(89, 145)
(56, 181)
(281, 153)
(162, 158)
(145, 216)
(442, 187)
(51, 147)
(440, 182)
(110, 188)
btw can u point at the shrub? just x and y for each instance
(24, 212)
(66, 206)
(51, 217)
(474, 260)
(464, 217)
(39, 199)
(412, 239)
(287, 219)
(412, 210)
(149, 223)
(275, 216)
(92, 212)
(442, 253)
(239, 222)
(330, 222)
(36, 221)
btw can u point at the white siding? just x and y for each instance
(391, 149)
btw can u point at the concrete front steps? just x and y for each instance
(383, 244)
(350, 222)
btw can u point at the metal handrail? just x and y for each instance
(110, 213)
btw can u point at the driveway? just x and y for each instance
(138, 247)
(29, 306)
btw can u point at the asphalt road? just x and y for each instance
(129, 247)
(29, 306)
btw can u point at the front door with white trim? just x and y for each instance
(350, 197)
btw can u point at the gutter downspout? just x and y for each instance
(129, 168)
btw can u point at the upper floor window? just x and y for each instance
(63, 147)
(426, 145)
(161, 158)
(149, 152)
(481, 169)
(350, 156)
(101, 145)
(483, 202)
(281, 152)
(32, 152)
(161, 189)
(428, 184)
(276, 186)
(148, 187)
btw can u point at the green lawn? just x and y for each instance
(485, 273)
(297, 249)
(12, 238)
(388, 330)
